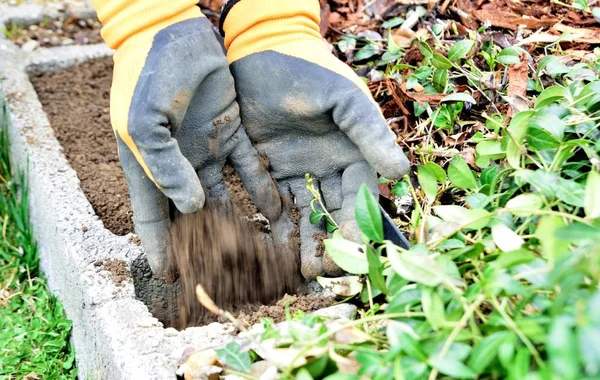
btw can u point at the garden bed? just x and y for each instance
(76, 100)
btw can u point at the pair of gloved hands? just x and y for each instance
(177, 120)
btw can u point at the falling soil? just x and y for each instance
(227, 256)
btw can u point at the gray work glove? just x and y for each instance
(308, 113)
(176, 119)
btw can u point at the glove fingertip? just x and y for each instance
(190, 200)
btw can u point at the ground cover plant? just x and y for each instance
(34, 331)
(498, 107)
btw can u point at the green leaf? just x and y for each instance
(415, 266)
(550, 95)
(522, 364)
(505, 238)
(513, 258)
(347, 255)
(232, 357)
(315, 217)
(400, 189)
(592, 195)
(517, 130)
(552, 247)
(589, 347)
(367, 52)
(303, 374)
(440, 62)
(460, 50)
(453, 368)
(460, 175)
(368, 215)
(376, 271)
(522, 205)
(576, 232)
(440, 78)
(392, 23)
(550, 123)
(433, 307)
(475, 219)
(562, 349)
(459, 97)
(428, 183)
(425, 49)
(509, 56)
(486, 351)
(490, 148)
(437, 171)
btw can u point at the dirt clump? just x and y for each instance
(228, 257)
(118, 270)
(76, 101)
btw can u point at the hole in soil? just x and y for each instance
(76, 101)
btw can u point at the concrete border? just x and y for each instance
(114, 334)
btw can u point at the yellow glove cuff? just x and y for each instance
(125, 18)
(252, 26)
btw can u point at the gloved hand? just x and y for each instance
(308, 113)
(175, 116)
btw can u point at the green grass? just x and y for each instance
(34, 330)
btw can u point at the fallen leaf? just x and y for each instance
(512, 21)
(585, 35)
(518, 75)
(342, 286)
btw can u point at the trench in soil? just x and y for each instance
(77, 101)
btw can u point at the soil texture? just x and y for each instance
(77, 101)
(61, 32)
(118, 270)
(227, 256)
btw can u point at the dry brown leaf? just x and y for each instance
(31, 376)
(518, 74)
(585, 35)
(512, 21)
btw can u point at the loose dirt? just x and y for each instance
(76, 101)
(227, 256)
(118, 270)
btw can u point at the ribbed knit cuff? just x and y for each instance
(124, 18)
(240, 15)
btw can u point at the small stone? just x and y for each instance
(33, 28)
(54, 41)
(171, 332)
(30, 46)
(84, 228)
(67, 41)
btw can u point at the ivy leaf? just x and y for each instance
(475, 219)
(440, 62)
(367, 52)
(376, 271)
(505, 238)
(348, 255)
(552, 247)
(517, 129)
(459, 97)
(437, 171)
(415, 266)
(315, 217)
(368, 215)
(460, 50)
(486, 350)
(460, 175)
(428, 183)
(509, 56)
(523, 204)
(562, 349)
(232, 357)
(549, 96)
(392, 23)
(400, 189)
(592, 195)
(452, 368)
(433, 307)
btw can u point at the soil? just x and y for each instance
(252, 314)
(61, 32)
(76, 101)
(118, 270)
(227, 256)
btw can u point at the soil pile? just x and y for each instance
(227, 256)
